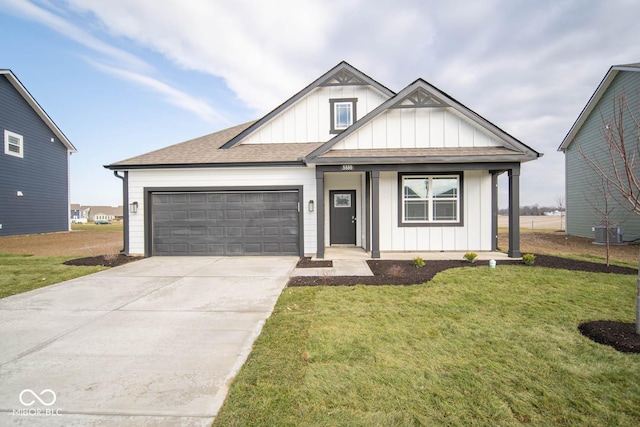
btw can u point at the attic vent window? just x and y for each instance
(13, 144)
(343, 113)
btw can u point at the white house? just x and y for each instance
(344, 162)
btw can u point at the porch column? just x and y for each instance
(514, 212)
(367, 192)
(494, 210)
(320, 213)
(375, 214)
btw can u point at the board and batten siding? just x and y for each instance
(417, 128)
(473, 235)
(309, 119)
(221, 178)
(584, 191)
(41, 175)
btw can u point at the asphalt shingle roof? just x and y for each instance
(206, 150)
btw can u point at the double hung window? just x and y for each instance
(13, 144)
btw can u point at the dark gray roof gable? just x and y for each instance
(37, 108)
(593, 101)
(336, 72)
(443, 100)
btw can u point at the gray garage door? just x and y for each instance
(225, 223)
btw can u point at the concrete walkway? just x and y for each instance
(154, 342)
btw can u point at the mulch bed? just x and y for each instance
(306, 262)
(389, 272)
(619, 335)
(105, 261)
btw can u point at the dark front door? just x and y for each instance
(342, 217)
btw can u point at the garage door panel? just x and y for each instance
(234, 223)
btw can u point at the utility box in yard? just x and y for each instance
(615, 235)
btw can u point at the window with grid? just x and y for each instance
(13, 144)
(430, 199)
(343, 113)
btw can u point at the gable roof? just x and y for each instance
(205, 152)
(422, 94)
(341, 74)
(222, 148)
(593, 101)
(37, 108)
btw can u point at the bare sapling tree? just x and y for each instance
(618, 165)
(560, 203)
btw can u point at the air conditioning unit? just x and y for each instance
(615, 235)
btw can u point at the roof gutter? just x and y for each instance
(300, 162)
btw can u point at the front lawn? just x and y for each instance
(474, 346)
(21, 273)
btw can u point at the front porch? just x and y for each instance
(374, 227)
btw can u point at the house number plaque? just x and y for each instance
(347, 167)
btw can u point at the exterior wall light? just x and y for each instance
(312, 206)
(133, 207)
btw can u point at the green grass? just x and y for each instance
(114, 226)
(472, 347)
(21, 273)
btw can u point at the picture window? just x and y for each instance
(430, 199)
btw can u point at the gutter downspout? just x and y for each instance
(125, 210)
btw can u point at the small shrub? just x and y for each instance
(418, 262)
(395, 271)
(528, 259)
(471, 256)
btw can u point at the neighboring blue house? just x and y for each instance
(34, 164)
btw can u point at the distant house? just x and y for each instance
(345, 162)
(585, 140)
(105, 213)
(78, 214)
(34, 164)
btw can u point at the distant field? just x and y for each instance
(536, 222)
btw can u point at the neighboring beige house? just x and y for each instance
(105, 213)
(82, 214)
(344, 162)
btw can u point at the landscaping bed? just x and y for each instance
(103, 260)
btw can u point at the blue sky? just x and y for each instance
(123, 77)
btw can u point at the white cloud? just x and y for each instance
(122, 64)
(172, 95)
(260, 50)
(49, 19)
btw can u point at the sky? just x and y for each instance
(122, 77)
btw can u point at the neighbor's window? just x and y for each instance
(13, 144)
(343, 112)
(430, 199)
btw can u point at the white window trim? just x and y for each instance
(336, 107)
(335, 103)
(430, 201)
(7, 144)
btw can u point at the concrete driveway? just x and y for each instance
(154, 342)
